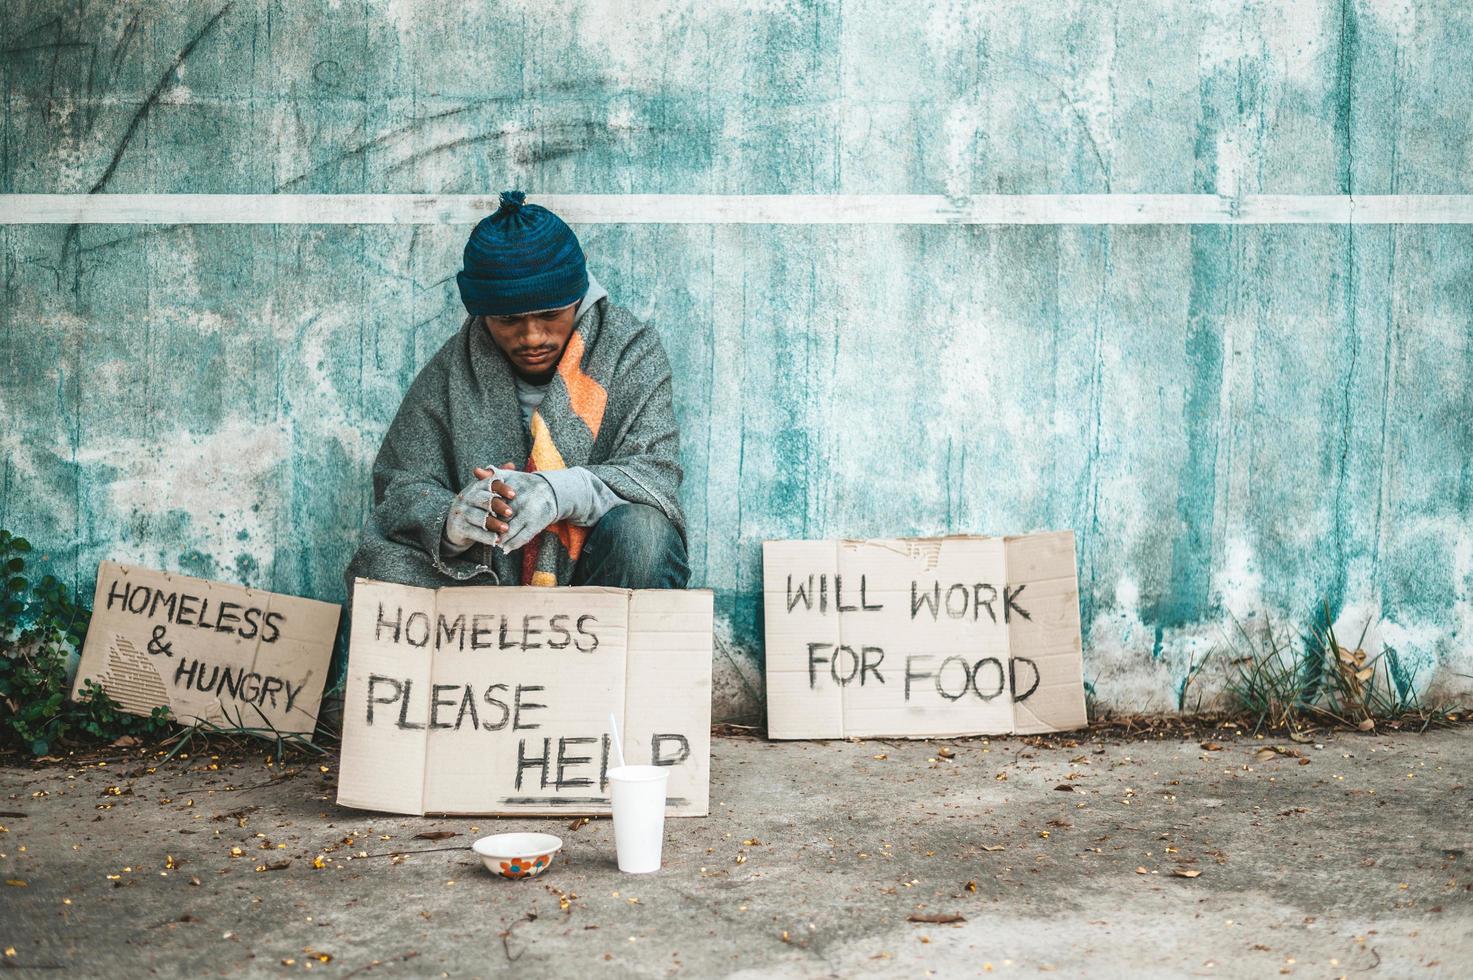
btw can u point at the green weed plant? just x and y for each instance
(41, 624)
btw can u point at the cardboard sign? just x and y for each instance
(495, 700)
(923, 637)
(207, 651)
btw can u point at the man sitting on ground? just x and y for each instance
(570, 394)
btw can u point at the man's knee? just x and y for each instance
(377, 559)
(383, 560)
(636, 526)
(635, 546)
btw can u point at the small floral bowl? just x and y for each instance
(517, 855)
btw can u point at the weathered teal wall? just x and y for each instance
(1233, 418)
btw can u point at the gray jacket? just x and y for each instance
(462, 412)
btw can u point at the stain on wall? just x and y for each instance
(1237, 420)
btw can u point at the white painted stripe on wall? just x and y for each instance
(761, 209)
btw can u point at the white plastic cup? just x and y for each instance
(638, 796)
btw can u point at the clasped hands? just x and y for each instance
(484, 511)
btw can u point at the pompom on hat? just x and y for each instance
(521, 259)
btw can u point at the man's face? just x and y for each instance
(533, 342)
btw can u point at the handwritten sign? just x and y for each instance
(207, 651)
(924, 637)
(495, 700)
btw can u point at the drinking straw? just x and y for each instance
(618, 745)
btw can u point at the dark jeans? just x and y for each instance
(633, 547)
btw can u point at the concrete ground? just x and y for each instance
(1065, 857)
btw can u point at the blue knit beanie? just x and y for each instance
(521, 259)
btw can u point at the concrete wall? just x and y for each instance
(1234, 418)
